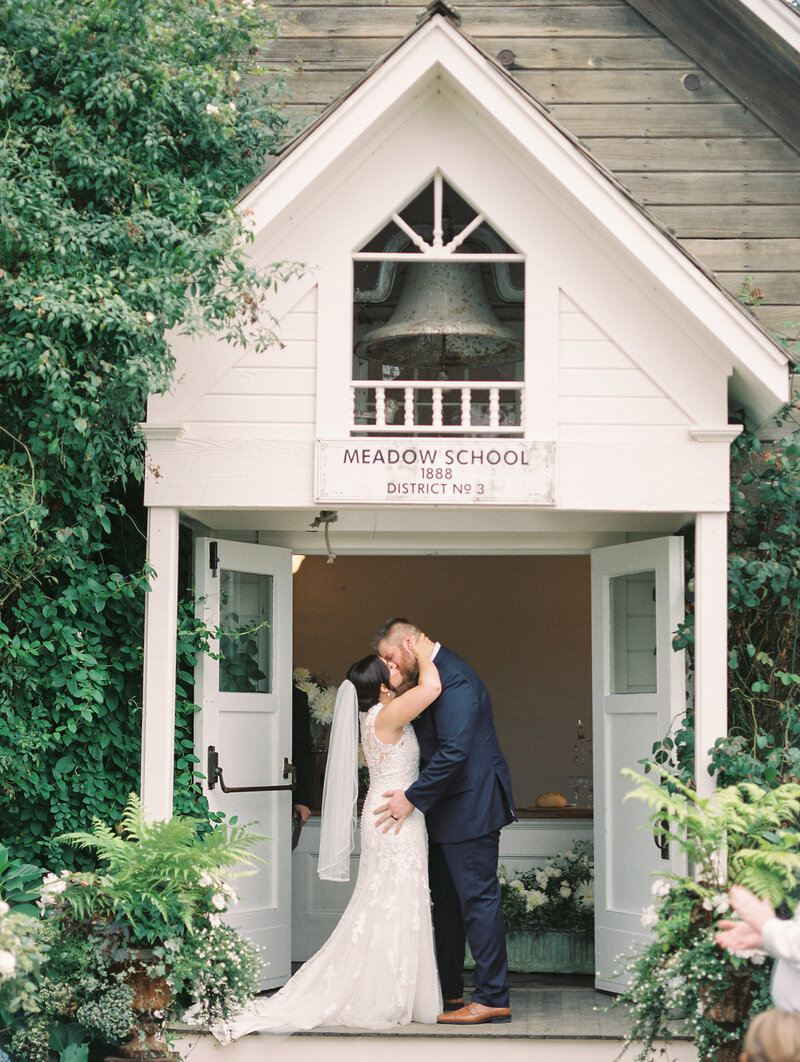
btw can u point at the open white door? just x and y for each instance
(639, 690)
(244, 727)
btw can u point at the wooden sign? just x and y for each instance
(437, 471)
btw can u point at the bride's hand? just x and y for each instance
(422, 648)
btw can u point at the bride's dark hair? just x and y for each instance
(368, 675)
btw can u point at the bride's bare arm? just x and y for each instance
(409, 704)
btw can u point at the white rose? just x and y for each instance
(8, 964)
(219, 901)
(649, 916)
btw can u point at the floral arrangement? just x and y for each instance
(556, 895)
(682, 973)
(154, 907)
(21, 953)
(321, 701)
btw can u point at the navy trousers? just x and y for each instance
(467, 907)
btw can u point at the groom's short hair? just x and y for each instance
(394, 630)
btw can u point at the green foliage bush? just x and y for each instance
(763, 743)
(741, 835)
(127, 134)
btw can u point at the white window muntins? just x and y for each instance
(465, 377)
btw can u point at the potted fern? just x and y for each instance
(742, 834)
(150, 922)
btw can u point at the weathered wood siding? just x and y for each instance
(275, 389)
(721, 180)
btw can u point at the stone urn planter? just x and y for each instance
(547, 951)
(729, 1010)
(151, 996)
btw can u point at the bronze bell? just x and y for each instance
(442, 317)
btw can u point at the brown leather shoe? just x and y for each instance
(475, 1014)
(453, 1004)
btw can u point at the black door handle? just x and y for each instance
(214, 775)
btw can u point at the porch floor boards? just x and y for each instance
(554, 1019)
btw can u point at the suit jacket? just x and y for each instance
(464, 787)
(302, 749)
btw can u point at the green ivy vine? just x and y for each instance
(129, 127)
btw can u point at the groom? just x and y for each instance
(464, 792)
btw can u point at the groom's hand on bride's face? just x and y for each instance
(394, 812)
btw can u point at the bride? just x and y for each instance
(377, 969)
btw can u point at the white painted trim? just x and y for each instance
(160, 641)
(711, 641)
(723, 435)
(160, 432)
(780, 16)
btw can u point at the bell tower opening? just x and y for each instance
(438, 323)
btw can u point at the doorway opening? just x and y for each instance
(523, 622)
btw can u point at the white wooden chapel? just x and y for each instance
(604, 432)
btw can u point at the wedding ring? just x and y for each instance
(394, 817)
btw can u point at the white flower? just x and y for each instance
(205, 880)
(235, 76)
(8, 964)
(721, 903)
(309, 688)
(214, 920)
(301, 674)
(660, 887)
(584, 895)
(517, 885)
(231, 106)
(649, 916)
(323, 704)
(212, 108)
(541, 879)
(4, 908)
(534, 899)
(53, 884)
(149, 317)
(219, 901)
(565, 891)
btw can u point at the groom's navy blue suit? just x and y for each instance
(464, 791)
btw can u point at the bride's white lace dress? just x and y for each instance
(377, 969)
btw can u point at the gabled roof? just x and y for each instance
(752, 47)
(437, 49)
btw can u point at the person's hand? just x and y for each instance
(302, 812)
(421, 647)
(738, 936)
(395, 811)
(750, 908)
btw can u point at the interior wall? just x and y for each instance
(523, 623)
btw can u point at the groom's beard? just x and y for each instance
(410, 676)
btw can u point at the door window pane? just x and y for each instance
(633, 633)
(245, 643)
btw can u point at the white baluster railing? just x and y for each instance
(472, 408)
